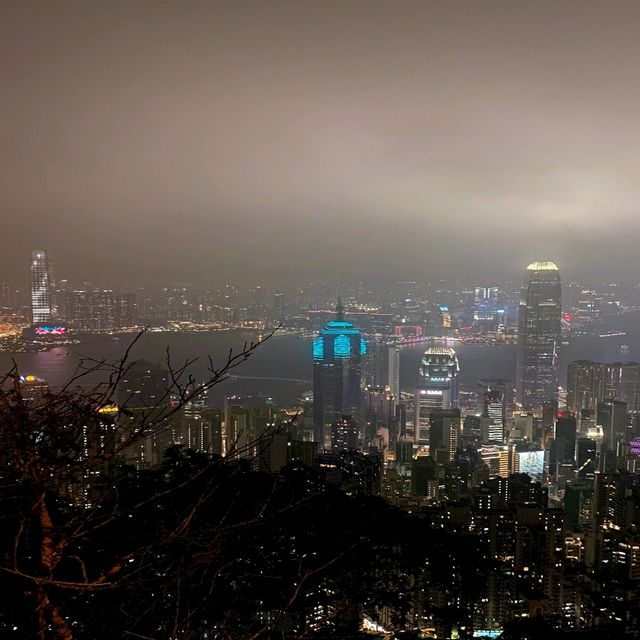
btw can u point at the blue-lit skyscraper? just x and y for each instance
(338, 351)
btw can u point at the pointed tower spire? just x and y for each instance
(340, 311)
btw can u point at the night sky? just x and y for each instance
(149, 142)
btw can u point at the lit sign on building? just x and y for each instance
(108, 409)
(50, 331)
(532, 463)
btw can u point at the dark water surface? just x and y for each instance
(289, 357)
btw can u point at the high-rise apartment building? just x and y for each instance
(539, 336)
(42, 303)
(338, 351)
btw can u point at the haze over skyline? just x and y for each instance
(253, 141)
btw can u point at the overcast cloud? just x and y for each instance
(252, 141)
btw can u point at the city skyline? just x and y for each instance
(320, 320)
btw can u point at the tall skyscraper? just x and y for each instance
(42, 304)
(438, 387)
(338, 351)
(585, 380)
(493, 416)
(588, 382)
(612, 416)
(384, 367)
(444, 434)
(539, 336)
(565, 429)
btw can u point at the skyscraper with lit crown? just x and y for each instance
(539, 336)
(42, 307)
(338, 351)
(438, 387)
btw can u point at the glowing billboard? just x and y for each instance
(531, 463)
(50, 331)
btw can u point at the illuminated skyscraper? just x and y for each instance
(493, 416)
(539, 336)
(338, 351)
(42, 307)
(438, 387)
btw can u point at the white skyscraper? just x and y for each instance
(42, 307)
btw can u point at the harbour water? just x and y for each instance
(281, 367)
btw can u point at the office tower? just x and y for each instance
(611, 415)
(338, 351)
(585, 451)
(485, 307)
(383, 368)
(42, 304)
(589, 381)
(584, 384)
(501, 385)
(472, 427)
(539, 336)
(524, 426)
(438, 387)
(344, 435)
(586, 458)
(404, 451)
(498, 458)
(379, 411)
(565, 431)
(444, 434)
(493, 416)
(629, 384)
